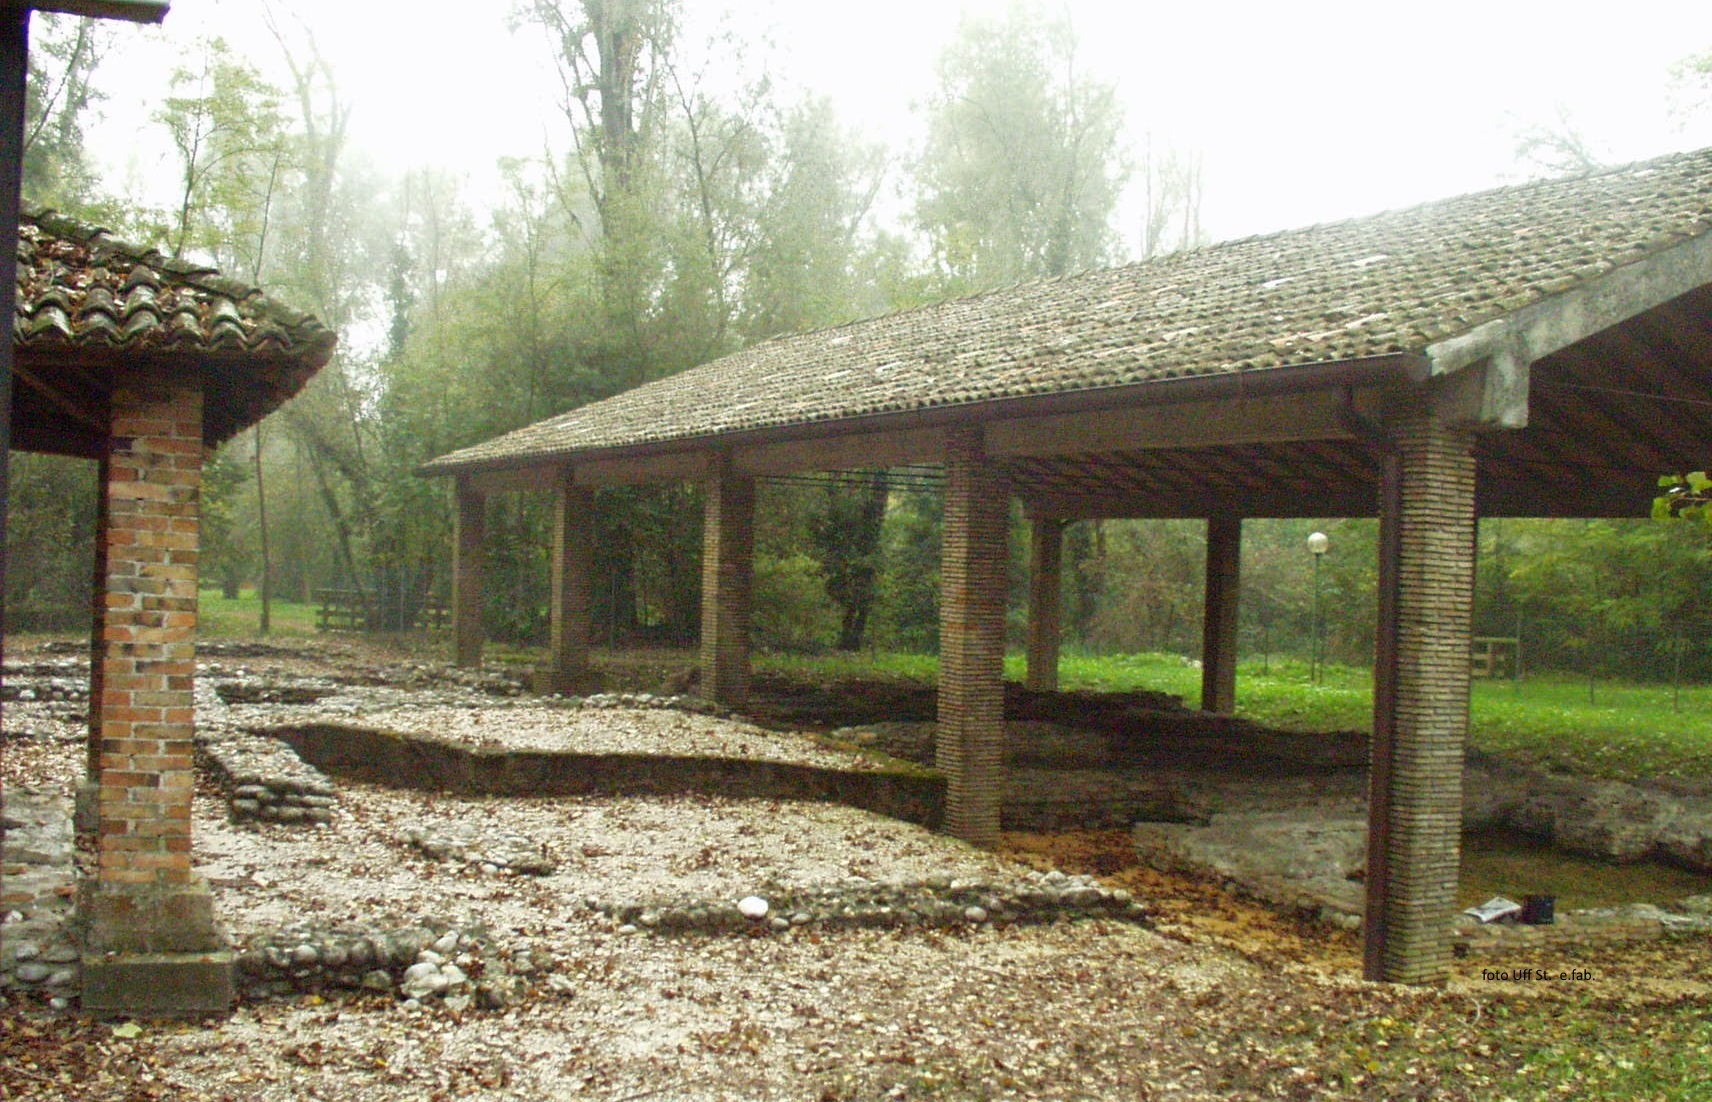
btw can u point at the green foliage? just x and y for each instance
(64, 55)
(227, 127)
(50, 543)
(227, 553)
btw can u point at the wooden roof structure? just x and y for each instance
(92, 308)
(1578, 313)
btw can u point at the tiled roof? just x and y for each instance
(86, 297)
(1396, 282)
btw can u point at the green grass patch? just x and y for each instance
(241, 618)
(1625, 731)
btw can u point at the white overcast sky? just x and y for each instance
(1304, 111)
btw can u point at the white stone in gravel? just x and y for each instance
(752, 906)
(975, 914)
(447, 944)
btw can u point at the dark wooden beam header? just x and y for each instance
(133, 11)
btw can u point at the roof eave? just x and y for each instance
(1389, 368)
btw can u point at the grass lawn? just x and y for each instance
(1625, 731)
(221, 618)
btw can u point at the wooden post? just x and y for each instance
(1045, 603)
(971, 737)
(728, 553)
(567, 669)
(1223, 614)
(469, 562)
(1421, 696)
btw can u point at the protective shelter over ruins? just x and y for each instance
(142, 362)
(1538, 350)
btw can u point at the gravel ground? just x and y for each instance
(612, 731)
(1067, 1010)
(1221, 1000)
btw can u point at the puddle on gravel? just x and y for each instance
(1513, 864)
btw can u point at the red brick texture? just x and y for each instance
(1223, 615)
(145, 647)
(573, 550)
(1434, 600)
(1045, 602)
(970, 744)
(727, 573)
(469, 560)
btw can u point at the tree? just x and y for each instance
(227, 129)
(64, 54)
(1021, 172)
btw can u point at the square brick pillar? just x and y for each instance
(1421, 695)
(567, 669)
(727, 573)
(469, 564)
(1223, 615)
(1045, 602)
(150, 944)
(970, 747)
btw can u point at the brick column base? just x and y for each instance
(469, 562)
(1223, 615)
(567, 669)
(150, 944)
(970, 745)
(1045, 603)
(727, 570)
(1416, 795)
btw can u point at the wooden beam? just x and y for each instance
(686, 466)
(1315, 415)
(79, 412)
(857, 451)
(546, 478)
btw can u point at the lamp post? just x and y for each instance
(1317, 544)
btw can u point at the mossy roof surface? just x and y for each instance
(1391, 283)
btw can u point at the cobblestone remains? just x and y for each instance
(439, 962)
(937, 901)
(37, 862)
(492, 851)
(264, 778)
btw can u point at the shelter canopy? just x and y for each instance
(1577, 312)
(93, 309)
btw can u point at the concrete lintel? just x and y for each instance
(1506, 346)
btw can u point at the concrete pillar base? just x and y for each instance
(158, 985)
(152, 951)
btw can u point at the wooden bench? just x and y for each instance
(341, 610)
(353, 610)
(1495, 656)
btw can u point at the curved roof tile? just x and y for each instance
(1395, 282)
(83, 292)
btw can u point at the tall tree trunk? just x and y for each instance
(262, 529)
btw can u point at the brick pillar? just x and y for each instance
(972, 584)
(1223, 614)
(149, 938)
(1045, 602)
(1421, 699)
(727, 570)
(469, 562)
(567, 669)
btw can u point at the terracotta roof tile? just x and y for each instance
(1395, 282)
(84, 293)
